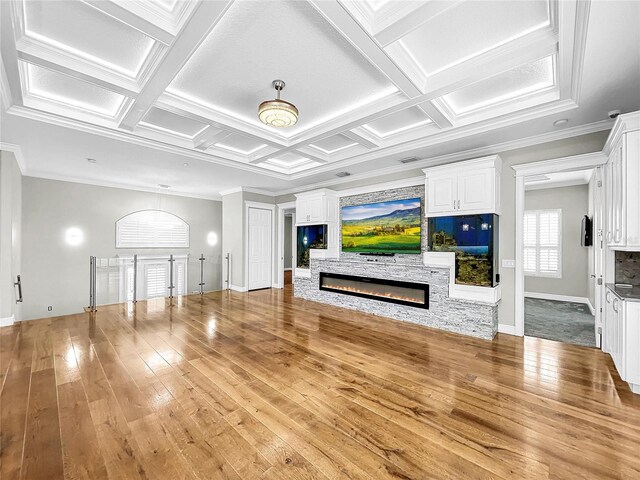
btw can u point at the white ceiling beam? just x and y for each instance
(9, 54)
(436, 115)
(412, 20)
(361, 139)
(573, 21)
(35, 60)
(141, 24)
(202, 20)
(351, 30)
(209, 136)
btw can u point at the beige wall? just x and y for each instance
(574, 203)
(57, 274)
(10, 234)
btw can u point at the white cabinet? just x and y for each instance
(622, 182)
(622, 337)
(316, 207)
(468, 187)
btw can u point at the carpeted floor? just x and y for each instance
(561, 321)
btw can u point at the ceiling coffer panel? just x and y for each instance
(324, 74)
(471, 28)
(56, 88)
(172, 123)
(241, 144)
(76, 28)
(333, 144)
(398, 122)
(525, 80)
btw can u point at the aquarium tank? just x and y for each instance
(309, 236)
(474, 240)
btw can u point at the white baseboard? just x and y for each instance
(237, 288)
(506, 329)
(591, 309)
(7, 321)
(560, 298)
(288, 269)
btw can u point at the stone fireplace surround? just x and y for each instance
(478, 319)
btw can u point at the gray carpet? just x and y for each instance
(561, 321)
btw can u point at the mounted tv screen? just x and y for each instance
(383, 227)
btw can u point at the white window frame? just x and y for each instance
(537, 273)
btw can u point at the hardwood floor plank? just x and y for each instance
(80, 447)
(42, 457)
(261, 385)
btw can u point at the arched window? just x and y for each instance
(152, 229)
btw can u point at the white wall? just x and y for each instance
(10, 235)
(574, 203)
(57, 274)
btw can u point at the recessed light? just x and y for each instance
(560, 122)
(185, 164)
(91, 160)
(162, 185)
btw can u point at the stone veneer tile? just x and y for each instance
(458, 316)
(628, 267)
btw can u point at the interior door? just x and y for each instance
(260, 248)
(441, 193)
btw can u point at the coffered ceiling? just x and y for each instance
(371, 78)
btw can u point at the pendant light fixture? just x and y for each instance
(278, 113)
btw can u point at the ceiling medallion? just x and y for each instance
(278, 113)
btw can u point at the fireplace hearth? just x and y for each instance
(394, 291)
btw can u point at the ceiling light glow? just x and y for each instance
(278, 113)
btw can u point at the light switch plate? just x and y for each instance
(508, 263)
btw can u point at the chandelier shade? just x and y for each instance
(278, 113)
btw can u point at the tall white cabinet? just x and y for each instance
(469, 187)
(622, 177)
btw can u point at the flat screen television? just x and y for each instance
(383, 227)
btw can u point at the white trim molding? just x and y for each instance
(506, 329)
(237, 288)
(565, 164)
(7, 321)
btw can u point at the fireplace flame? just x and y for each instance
(349, 289)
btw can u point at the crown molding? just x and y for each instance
(257, 191)
(17, 152)
(54, 119)
(109, 184)
(564, 164)
(459, 156)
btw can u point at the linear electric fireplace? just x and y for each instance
(393, 291)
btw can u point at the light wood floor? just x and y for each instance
(264, 386)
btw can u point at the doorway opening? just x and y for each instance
(561, 257)
(286, 244)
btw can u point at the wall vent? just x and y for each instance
(409, 160)
(343, 174)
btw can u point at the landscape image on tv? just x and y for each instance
(383, 227)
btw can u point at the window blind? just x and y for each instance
(542, 242)
(152, 229)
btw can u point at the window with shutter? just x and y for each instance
(542, 243)
(152, 229)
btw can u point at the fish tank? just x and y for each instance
(474, 240)
(308, 237)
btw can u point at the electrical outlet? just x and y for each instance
(508, 263)
(49, 308)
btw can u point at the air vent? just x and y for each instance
(342, 174)
(409, 160)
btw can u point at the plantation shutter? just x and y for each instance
(542, 242)
(152, 229)
(156, 280)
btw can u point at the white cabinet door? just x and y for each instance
(260, 248)
(618, 336)
(609, 201)
(442, 194)
(619, 192)
(316, 209)
(475, 190)
(302, 210)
